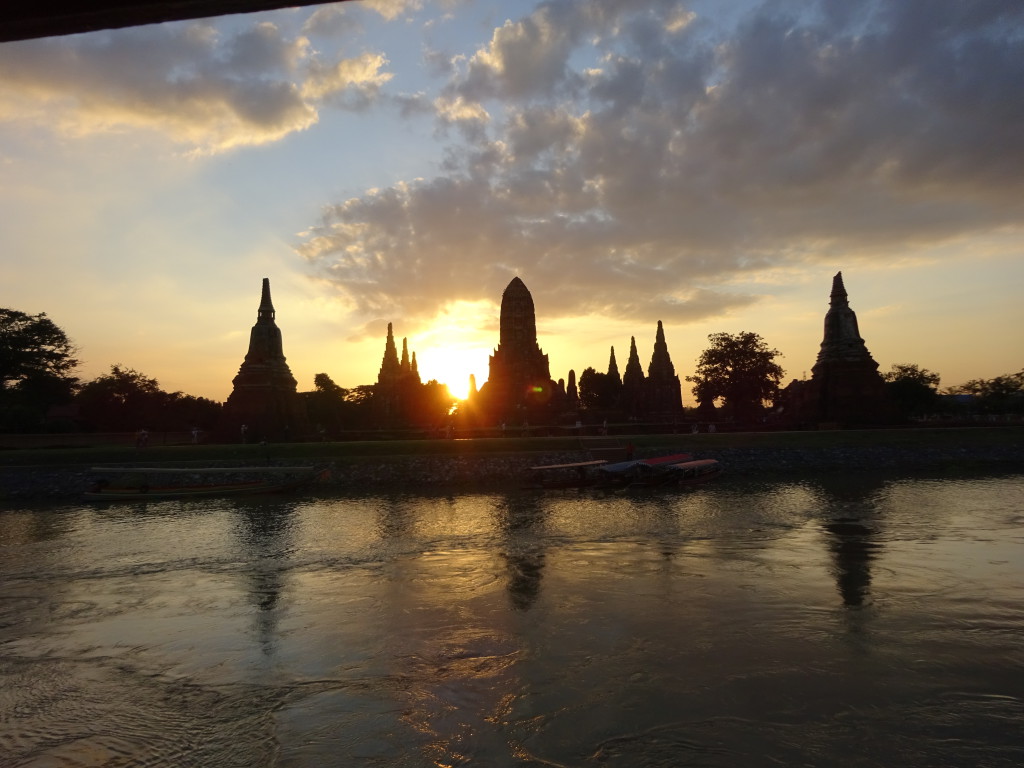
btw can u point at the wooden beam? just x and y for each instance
(48, 18)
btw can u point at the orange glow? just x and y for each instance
(457, 344)
(452, 367)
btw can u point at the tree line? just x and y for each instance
(736, 377)
(39, 391)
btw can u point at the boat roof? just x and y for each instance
(575, 465)
(621, 466)
(673, 458)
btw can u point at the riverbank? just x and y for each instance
(505, 464)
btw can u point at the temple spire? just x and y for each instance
(265, 314)
(663, 391)
(838, 297)
(263, 394)
(661, 367)
(389, 367)
(517, 320)
(845, 387)
(842, 340)
(265, 344)
(519, 376)
(634, 374)
(613, 369)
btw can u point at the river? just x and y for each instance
(868, 621)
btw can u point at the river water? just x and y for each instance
(856, 622)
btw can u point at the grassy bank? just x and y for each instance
(982, 438)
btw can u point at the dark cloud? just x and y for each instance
(642, 157)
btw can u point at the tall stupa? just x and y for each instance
(845, 388)
(519, 377)
(264, 397)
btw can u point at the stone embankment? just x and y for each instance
(498, 472)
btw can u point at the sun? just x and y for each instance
(454, 345)
(452, 366)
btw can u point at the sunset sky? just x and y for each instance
(708, 164)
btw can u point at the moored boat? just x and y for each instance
(671, 468)
(693, 472)
(675, 470)
(572, 475)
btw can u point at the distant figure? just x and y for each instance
(695, 429)
(141, 438)
(604, 427)
(711, 428)
(195, 435)
(245, 432)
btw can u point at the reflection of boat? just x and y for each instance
(574, 475)
(679, 469)
(673, 469)
(693, 472)
(137, 483)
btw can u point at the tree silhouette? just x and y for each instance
(598, 391)
(36, 360)
(125, 400)
(1003, 394)
(914, 390)
(32, 347)
(740, 369)
(326, 406)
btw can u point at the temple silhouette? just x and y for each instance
(263, 396)
(397, 383)
(519, 389)
(519, 385)
(661, 393)
(845, 388)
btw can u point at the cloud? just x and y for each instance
(629, 156)
(363, 73)
(187, 82)
(334, 20)
(392, 9)
(526, 57)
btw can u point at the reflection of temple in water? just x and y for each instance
(520, 519)
(851, 526)
(264, 533)
(853, 549)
